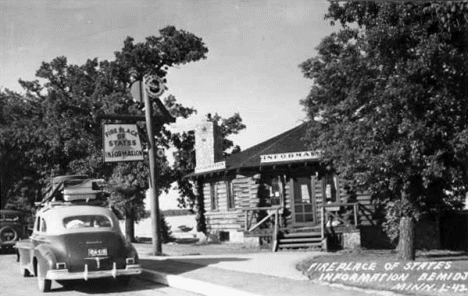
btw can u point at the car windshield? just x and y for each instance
(84, 221)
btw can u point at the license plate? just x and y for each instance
(97, 252)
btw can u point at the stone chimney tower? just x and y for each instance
(208, 145)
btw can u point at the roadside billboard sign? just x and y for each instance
(121, 143)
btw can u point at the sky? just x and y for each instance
(252, 67)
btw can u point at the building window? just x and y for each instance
(214, 196)
(275, 192)
(329, 188)
(231, 203)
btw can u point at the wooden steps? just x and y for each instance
(259, 233)
(299, 238)
(296, 240)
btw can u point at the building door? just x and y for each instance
(303, 201)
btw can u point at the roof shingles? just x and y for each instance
(290, 141)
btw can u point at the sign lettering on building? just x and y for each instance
(290, 156)
(211, 167)
(121, 143)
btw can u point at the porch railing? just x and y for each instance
(272, 215)
(350, 219)
(329, 213)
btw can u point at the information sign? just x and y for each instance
(121, 143)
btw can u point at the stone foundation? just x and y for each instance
(236, 236)
(251, 242)
(351, 240)
(232, 236)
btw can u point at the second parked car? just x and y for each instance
(13, 227)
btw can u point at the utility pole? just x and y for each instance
(155, 219)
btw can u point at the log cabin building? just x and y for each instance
(277, 192)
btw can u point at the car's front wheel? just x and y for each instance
(43, 283)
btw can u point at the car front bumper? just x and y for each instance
(63, 274)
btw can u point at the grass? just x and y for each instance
(432, 273)
(182, 248)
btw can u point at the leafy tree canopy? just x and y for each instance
(52, 129)
(389, 100)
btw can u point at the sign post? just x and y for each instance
(124, 147)
(153, 89)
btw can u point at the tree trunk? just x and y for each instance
(200, 208)
(130, 225)
(406, 248)
(1, 191)
(2, 187)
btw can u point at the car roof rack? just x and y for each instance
(44, 206)
(72, 190)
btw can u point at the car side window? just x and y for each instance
(43, 226)
(38, 224)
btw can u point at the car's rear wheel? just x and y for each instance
(123, 280)
(67, 284)
(43, 283)
(24, 271)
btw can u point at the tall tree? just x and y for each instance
(18, 119)
(61, 135)
(128, 184)
(58, 133)
(389, 104)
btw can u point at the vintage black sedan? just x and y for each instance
(13, 227)
(75, 241)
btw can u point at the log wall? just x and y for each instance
(246, 196)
